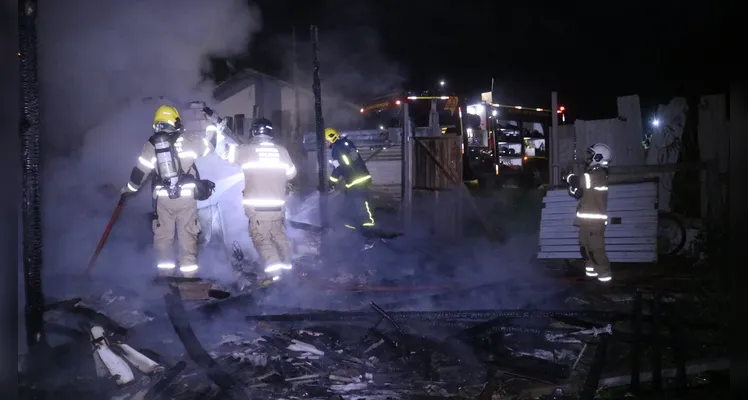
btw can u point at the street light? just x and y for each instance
(442, 83)
(655, 122)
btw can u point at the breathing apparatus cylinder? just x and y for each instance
(167, 162)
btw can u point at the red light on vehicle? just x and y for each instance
(397, 102)
(362, 111)
(562, 108)
(524, 158)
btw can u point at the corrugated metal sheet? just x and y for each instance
(386, 171)
(631, 234)
(385, 168)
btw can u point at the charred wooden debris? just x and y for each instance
(372, 354)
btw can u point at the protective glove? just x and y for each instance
(126, 190)
(211, 115)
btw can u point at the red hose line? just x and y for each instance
(105, 235)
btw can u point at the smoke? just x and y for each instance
(97, 57)
(480, 273)
(104, 68)
(354, 66)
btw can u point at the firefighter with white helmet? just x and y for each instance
(591, 188)
(267, 168)
(170, 154)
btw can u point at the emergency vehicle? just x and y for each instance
(508, 144)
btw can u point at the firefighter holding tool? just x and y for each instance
(591, 189)
(350, 170)
(169, 156)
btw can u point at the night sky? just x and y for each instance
(587, 51)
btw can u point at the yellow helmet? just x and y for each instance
(166, 118)
(331, 135)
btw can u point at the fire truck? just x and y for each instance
(508, 144)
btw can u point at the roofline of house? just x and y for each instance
(246, 77)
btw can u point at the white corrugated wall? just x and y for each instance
(631, 233)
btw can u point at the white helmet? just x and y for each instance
(599, 154)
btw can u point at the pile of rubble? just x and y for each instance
(368, 354)
(373, 353)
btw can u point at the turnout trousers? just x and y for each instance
(270, 240)
(176, 217)
(592, 249)
(357, 208)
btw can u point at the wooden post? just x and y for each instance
(295, 143)
(552, 142)
(320, 130)
(406, 183)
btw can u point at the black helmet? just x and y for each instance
(261, 126)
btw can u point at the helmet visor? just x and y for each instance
(590, 155)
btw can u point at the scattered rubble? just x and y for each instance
(381, 354)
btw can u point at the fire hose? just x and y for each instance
(105, 235)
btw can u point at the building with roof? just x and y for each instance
(252, 94)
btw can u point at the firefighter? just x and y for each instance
(267, 168)
(351, 169)
(591, 188)
(170, 154)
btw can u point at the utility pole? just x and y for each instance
(320, 127)
(553, 141)
(31, 200)
(406, 188)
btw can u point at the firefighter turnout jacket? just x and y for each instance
(592, 190)
(267, 168)
(348, 164)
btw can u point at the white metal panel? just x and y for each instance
(631, 233)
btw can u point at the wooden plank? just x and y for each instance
(574, 234)
(610, 248)
(610, 228)
(554, 241)
(553, 224)
(550, 214)
(617, 256)
(613, 206)
(630, 194)
(643, 189)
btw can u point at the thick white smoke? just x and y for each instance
(96, 56)
(99, 62)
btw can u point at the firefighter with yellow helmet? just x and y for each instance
(350, 170)
(169, 156)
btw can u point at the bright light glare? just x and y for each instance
(655, 122)
(442, 83)
(494, 112)
(476, 109)
(381, 127)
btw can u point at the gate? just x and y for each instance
(437, 181)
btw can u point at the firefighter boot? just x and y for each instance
(604, 273)
(590, 268)
(166, 272)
